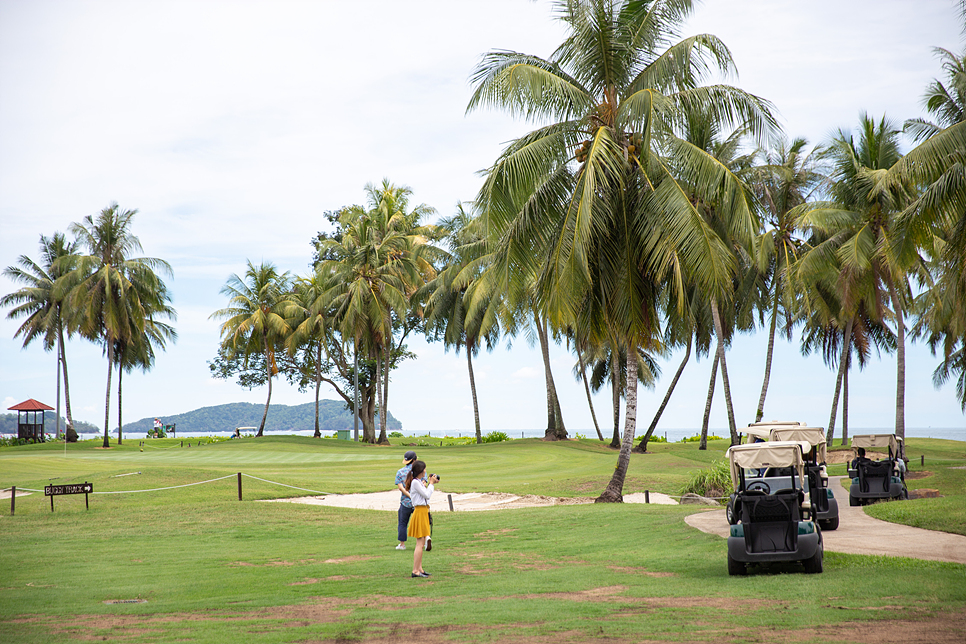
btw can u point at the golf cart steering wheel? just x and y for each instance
(760, 485)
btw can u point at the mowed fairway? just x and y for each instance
(209, 568)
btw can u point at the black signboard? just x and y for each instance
(74, 488)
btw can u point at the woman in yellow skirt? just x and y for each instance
(419, 492)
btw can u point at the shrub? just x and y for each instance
(495, 437)
(697, 438)
(395, 434)
(713, 481)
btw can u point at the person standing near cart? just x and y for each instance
(405, 501)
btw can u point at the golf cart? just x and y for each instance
(823, 501)
(820, 495)
(881, 479)
(772, 525)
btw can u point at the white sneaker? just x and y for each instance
(401, 546)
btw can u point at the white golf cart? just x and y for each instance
(772, 526)
(880, 479)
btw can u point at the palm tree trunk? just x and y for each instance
(318, 386)
(71, 435)
(590, 400)
(615, 388)
(379, 408)
(107, 397)
(845, 403)
(384, 407)
(719, 330)
(900, 363)
(768, 357)
(843, 360)
(120, 378)
(667, 398)
(58, 393)
(555, 427)
(268, 370)
(707, 405)
(476, 405)
(614, 491)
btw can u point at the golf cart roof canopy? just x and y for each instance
(771, 454)
(762, 431)
(814, 436)
(880, 441)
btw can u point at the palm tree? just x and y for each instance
(947, 102)
(139, 351)
(787, 178)
(44, 313)
(311, 324)
(382, 257)
(445, 308)
(859, 232)
(590, 203)
(254, 321)
(113, 292)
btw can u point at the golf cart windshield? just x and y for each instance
(764, 455)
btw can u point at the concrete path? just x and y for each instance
(860, 534)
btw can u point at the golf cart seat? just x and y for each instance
(771, 521)
(816, 488)
(875, 476)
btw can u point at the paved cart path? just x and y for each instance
(860, 534)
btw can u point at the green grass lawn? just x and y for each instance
(213, 569)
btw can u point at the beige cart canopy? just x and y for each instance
(814, 436)
(877, 441)
(771, 454)
(762, 431)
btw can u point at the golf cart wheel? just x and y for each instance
(905, 494)
(829, 524)
(853, 501)
(738, 568)
(813, 564)
(730, 513)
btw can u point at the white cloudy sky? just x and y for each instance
(232, 126)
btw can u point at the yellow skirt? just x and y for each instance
(419, 522)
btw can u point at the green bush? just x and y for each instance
(495, 437)
(697, 438)
(395, 434)
(714, 481)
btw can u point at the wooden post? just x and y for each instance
(922, 461)
(87, 504)
(13, 499)
(239, 486)
(449, 497)
(647, 496)
(51, 502)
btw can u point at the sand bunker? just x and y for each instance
(470, 502)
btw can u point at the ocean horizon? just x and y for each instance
(672, 435)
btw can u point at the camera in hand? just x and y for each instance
(438, 477)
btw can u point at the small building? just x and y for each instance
(28, 426)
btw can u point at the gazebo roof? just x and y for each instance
(31, 405)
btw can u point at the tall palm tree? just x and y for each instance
(114, 291)
(787, 178)
(44, 313)
(445, 308)
(255, 319)
(382, 257)
(945, 101)
(590, 203)
(311, 323)
(859, 229)
(139, 350)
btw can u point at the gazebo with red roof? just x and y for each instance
(27, 425)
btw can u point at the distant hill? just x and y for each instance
(281, 418)
(8, 424)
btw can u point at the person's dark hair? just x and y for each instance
(861, 451)
(416, 472)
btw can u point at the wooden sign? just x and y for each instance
(84, 488)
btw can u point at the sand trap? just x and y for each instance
(471, 502)
(5, 494)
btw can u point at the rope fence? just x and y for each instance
(14, 489)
